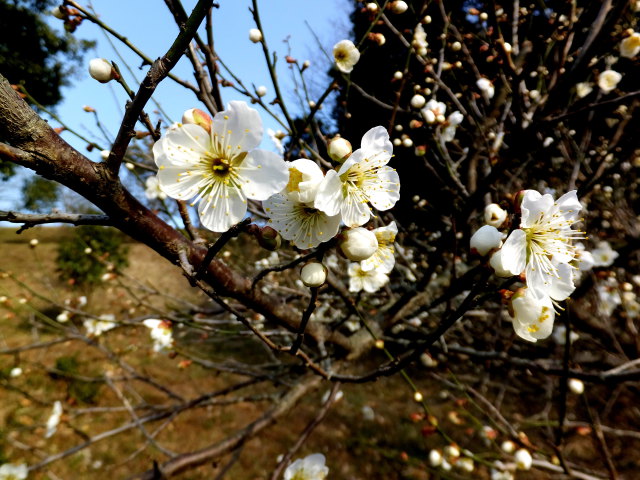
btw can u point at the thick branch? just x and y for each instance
(29, 220)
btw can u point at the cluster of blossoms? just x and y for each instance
(161, 334)
(433, 113)
(96, 327)
(541, 249)
(10, 471)
(215, 163)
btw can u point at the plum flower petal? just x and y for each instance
(370, 281)
(346, 55)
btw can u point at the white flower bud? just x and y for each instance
(58, 13)
(486, 239)
(630, 46)
(418, 101)
(34, 242)
(372, 7)
(313, 274)
(465, 464)
(523, 459)
(451, 452)
(129, 166)
(101, 70)
(508, 446)
(397, 142)
(261, 91)
(486, 87)
(398, 75)
(456, 46)
(418, 397)
(494, 215)
(399, 7)
(358, 244)
(407, 142)
(195, 116)
(583, 89)
(255, 35)
(576, 386)
(15, 372)
(435, 458)
(339, 149)
(63, 317)
(104, 155)
(306, 64)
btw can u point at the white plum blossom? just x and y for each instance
(370, 281)
(560, 335)
(494, 215)
(346, 55)
(434, 111)
(153, 190)
(608, 80)
(363, 179)
(54, 419)
(542, 246)
(630, 46)
(311, 467)
(486, 87)
(485, 239)
(358, 244)
(96, 327)
(383, 259)
(292, 212)
(583, 89)
(9, 471)
(453, 120)
(585, 258)
(161, 334)
(222, 169)
(603, 255)
(533, 315)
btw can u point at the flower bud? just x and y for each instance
(196, 116)
(378, 38)
(261, 91)
(102, 70)
(418, 101)
(576, 386)
(339, 149)
(399, 6)
(372, 7)
(104, 155)
(255, 35)
(268, 238)
(358, 244)
(313, 274)
(494, 215)
(33, 243)
(523, 459)
(485, 239)
(435, 458)
(508, 446)
(58, 13)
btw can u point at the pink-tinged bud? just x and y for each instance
(88, 109)
(517, 201)
(339, 149)
(378, 38)
(268, 238)
(313, 274)
(358, 244)
(196, 116)
(102, 70)
(420, 151)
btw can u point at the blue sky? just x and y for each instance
(150, 27)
